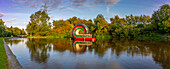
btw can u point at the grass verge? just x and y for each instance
(3, 56)
(103, 37)
(153, 37)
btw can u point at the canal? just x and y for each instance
(34, 53)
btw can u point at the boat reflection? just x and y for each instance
(80, 46)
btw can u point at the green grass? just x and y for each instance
(103, 37)
(53, 36)
(3, 56)
(152, 37)
(45, 36)
(10, 37)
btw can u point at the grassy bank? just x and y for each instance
(47, 37)
(138, 37)
(3, 56)
(153, 37)
(104, 37)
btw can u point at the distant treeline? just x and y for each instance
(8, 31)
(130, 26)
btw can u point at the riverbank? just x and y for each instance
(11, 58)
(105, 37)
(3, 57)
(153, 37)
(45, 36)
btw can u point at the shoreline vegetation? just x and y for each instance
(156, 26)
(106, 37)
(143, 26)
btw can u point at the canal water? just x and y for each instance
(34, 53)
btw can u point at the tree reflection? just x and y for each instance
(13, 41)
(62, 45)
(159, 50)
(39, 49)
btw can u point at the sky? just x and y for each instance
(16, 13)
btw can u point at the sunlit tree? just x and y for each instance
(160, 19)
(39, 23)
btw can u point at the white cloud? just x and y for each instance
(105, 2)
(77, 3)
(10, 20)
(108, 3)
(55, 4)
(1, 14)
(111, 2)
(61, 8)
(72, 9)
(36, 4)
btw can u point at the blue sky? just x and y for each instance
(16, 13)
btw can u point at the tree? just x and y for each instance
(136, 19)
(128, 20)
(2, 28)
(23, 32)
(73, 20)
(132, 19)
(14, 31)
(39, 23)
(141, 19)
(148, 19)
(160, 19)
(32, 28)
(100, 24)
(59, 23)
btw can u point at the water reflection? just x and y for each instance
(61, 45)
(40, 49)
(14, 41)
(80, 46)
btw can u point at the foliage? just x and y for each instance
(15, 31)
(129, 27)
(161, 19)
(6, 31)
(66, 26)
(101, 25)
(39, 24)
(2, 28)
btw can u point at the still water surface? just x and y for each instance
(33, 53)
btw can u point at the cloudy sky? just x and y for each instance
(16, 12)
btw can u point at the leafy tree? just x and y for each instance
(129, 21)
(32, 28)
(39, 23)
(132, 19)
(59, 23)
(136, 19)
(160, 19)
(23, 32)
(14, 31)
(100, 24)
(73, 20)
(2, 28)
